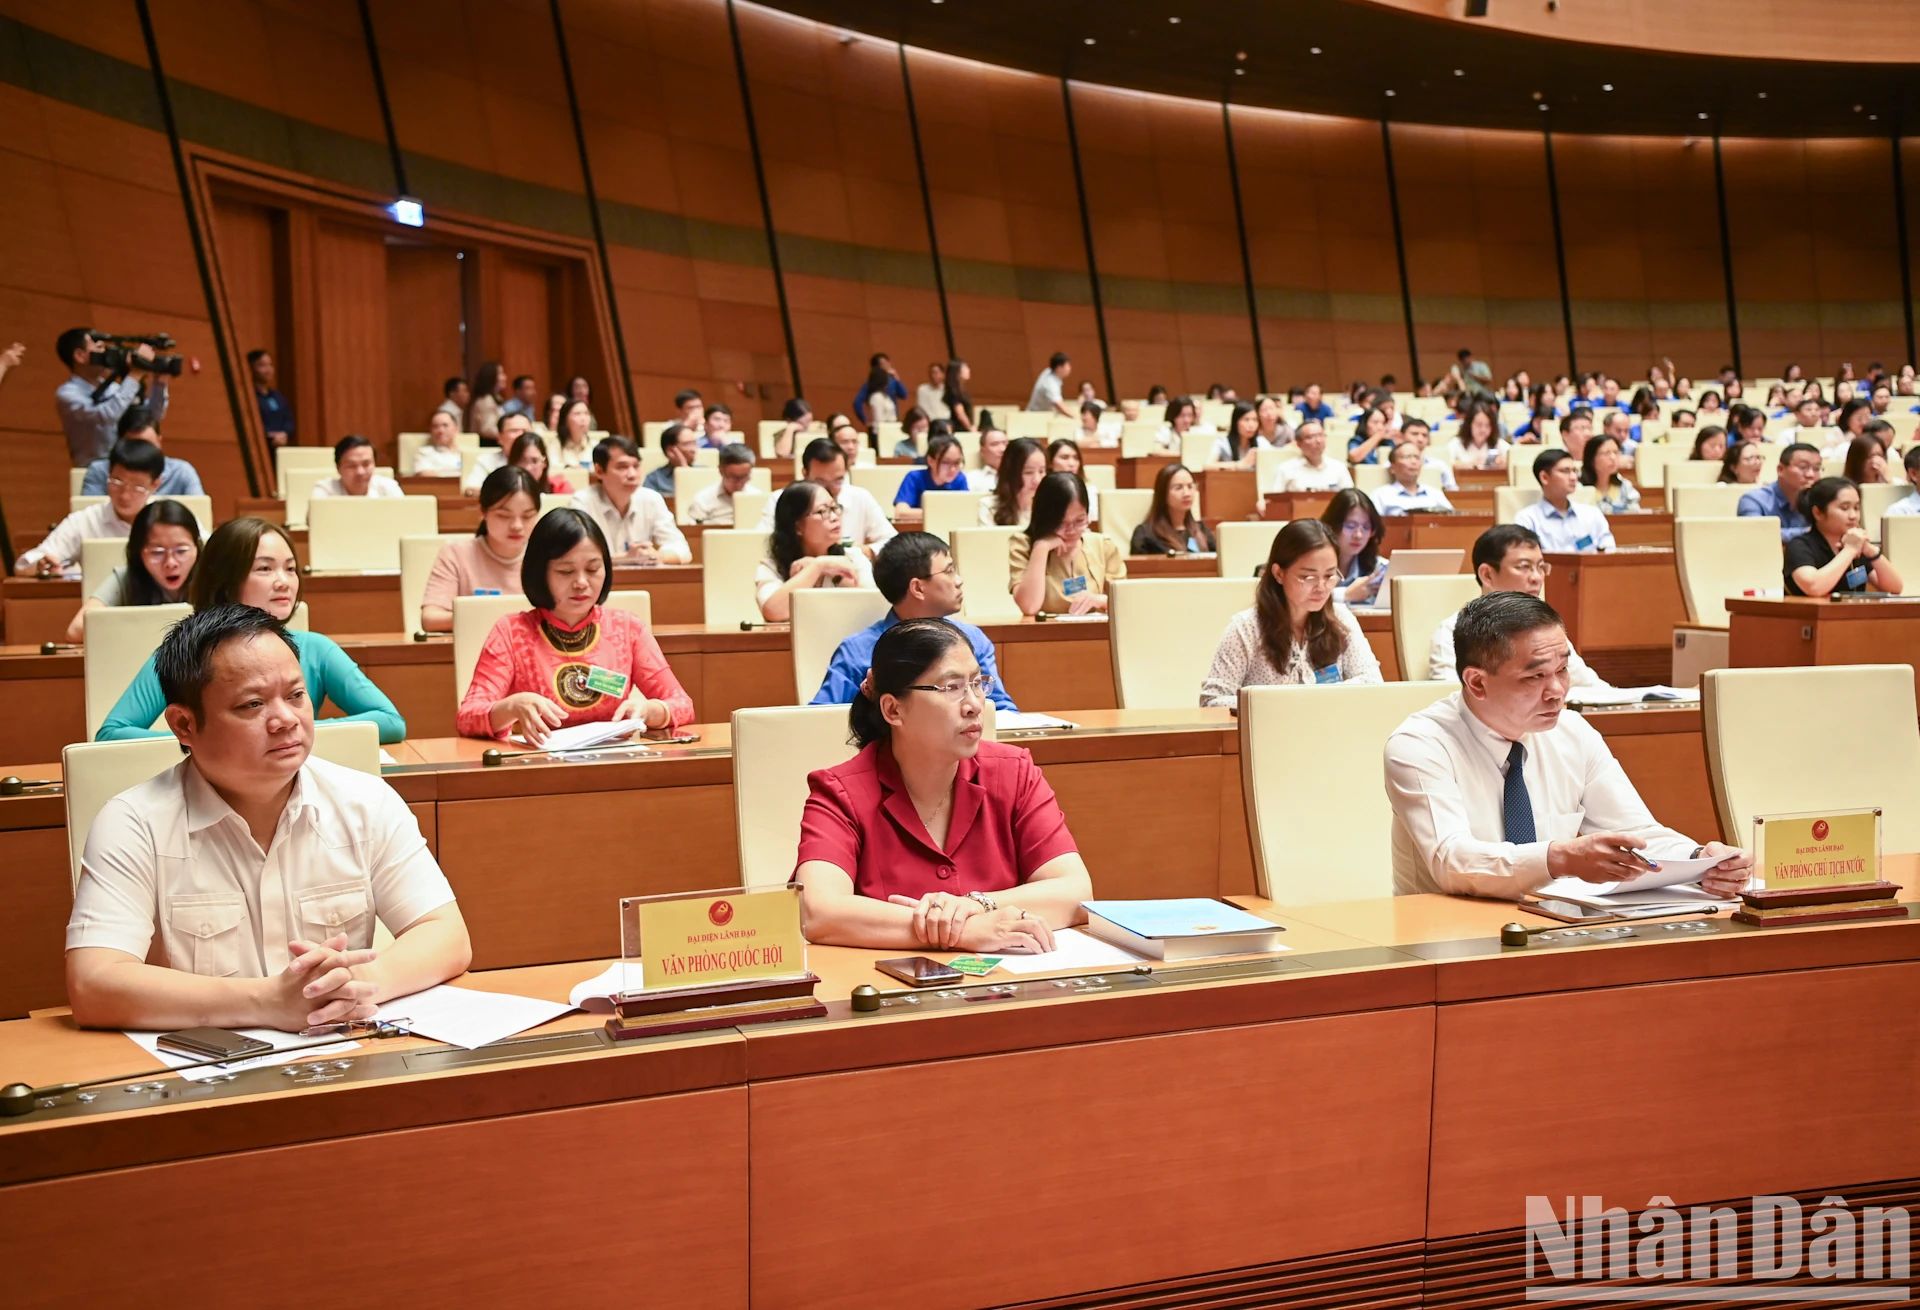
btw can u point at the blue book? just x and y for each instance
(1182, 929)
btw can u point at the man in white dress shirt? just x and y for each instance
(1311, 470)
(1404, 493)
(494, 457)
(1048, 395)
(1562, 526)
(1495, 791)
(1909, 504)
(638, 525)
(133, 472)
(862, 521)
(250, 874)
(712, 505)
(1506, 557)
(354, 476)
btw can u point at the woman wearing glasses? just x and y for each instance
(160, 554)
(805, 551)
(931, 838)
(1295, 632)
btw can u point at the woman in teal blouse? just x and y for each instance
(251, 562)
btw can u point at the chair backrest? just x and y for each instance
(749, 505)
(728, 558)
(1164, 635)
(1875, 498)
(77, 503)
(361, 532)
(947, 510)
(1421, 603)
(1372, 477)
(288, 458)
(408, 444)
(300, 483)
(687, 481)
(982, 556)
(298, 621)
(1101, 477)
(1718, 501)
(417, 555)
(118, 640)
(882, 480)
(76, 479)
(1900, 538)
(1196, 451)
(1137, 439)
(1244, 546)
(823, 617)
(473, 619)
(774, 750)
(1520, 471)
(707, 457)
(97, 771)
(1653, 458)
(1319, 820)
(1742, 716)
(1123, 510)
(1266, 466)
(350, 745)
(202, 509)
(1509, 501)
(1027, 423)
(99, 557)
(1693, 473)
(1718, 558)
(889, 435)
(553, 500)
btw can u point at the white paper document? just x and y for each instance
(1632, 695)
(150, 1043)
(1073, 950)
(586, 734)
(460, 1016)
(1018, 721)
(386, 758)
(1667, 885)
(596, 994)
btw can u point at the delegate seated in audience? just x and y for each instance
(1415, 432)
(931, 838)
(574, 427)
(1479, 444)
(1405, 493)
(508, 432)
(1182, 416)
(1495, 791)
(1372, 439)
(458, 396)
(177, 478)
(680, 444)
(712, 505)
(134, 469)
(1295, 633)
(945, 470)
(796, 416)
(1562, 526)
(488, 562)
(1310, 469)
(805, 551)
(440, 457)
(528, 451)
(1021, 467)
(249, 561)
(239, 888)
(1909, 504)
(915, 427)
(571, 659)
(717, 429)
(862, 522)
(1356, 527)
(1800, 467)
(1600, 469)
(1742, 464)
(1620, 426)
(1064, 456)
(993, 450)
(1057, 566)
(853, 443)
(1506, 557)
(636, 522)
(1171, 526)
(1866, 463)
(1577, 431)
(916, 573)
(1836, 557)
(353, 472)
(1097, 426)
(1710, 442)
(692, 408)
(1236, 445)
(161, 550)
(1807, 423)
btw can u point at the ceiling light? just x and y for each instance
(1873, 118)
(408, 211)
(1856, 109)
(1763, 95)
(1089, 40)
(1389, 93)
(1173, 20)
(1313, 49)
(1606, 86)
(1239, 72)
(1459, 72)
(1703, 115)
(1544, 108)
(1241, 56)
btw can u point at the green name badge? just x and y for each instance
(975, 965)
(606, 682)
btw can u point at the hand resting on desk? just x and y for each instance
(1607, 857)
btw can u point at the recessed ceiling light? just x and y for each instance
(1459, 72)
(1763, 95)
(1703, 115)
(1606, 86)
(1873, 118)
(1313, 49)
(1241, 56)
(1173, 20)
(1389, 93)
(1544, 108)
(1856, 109)
(1089, 40)
(1239, 72)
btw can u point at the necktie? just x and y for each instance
(1516, 807)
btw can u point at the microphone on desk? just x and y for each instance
(12, 786)
(748, 626)
(55, 647)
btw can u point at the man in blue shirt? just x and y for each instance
(177, 477)
(916, 573)
(1562, 526)
(1312, 406)
(1799, 469)
(276, 415)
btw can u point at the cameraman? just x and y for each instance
(90, 424)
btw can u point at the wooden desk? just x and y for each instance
(1228, 494)
(1435, 532)
(1620, 610)
(1799, 630)
(39, 609)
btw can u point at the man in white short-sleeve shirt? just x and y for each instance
(240, 887)
(354, 476)
(637, 523)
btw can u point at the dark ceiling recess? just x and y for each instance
(1368, 50)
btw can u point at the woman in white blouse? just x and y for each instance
(1294, 633)
(1479, 444)
(805, 551)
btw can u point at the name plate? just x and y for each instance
(727, 936)
(1796, 851)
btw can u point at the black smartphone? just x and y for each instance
(919, 971)
(213, 1044)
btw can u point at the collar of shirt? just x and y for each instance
(1570, 512)
(207, 807)
(1497, 747)
(969, 797)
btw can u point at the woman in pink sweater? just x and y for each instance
(488, 562)
(569, 659)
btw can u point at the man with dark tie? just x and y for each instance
(1495, 791)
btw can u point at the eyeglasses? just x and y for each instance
(829, 512)
(1540, 570)
(954, 689)
(161, 554)
(121, 484)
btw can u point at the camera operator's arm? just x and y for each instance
(10, 358)
(156, 387)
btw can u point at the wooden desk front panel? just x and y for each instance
(1699, 1090)
(1664, 755)
(1059, 676)
(1132, 1161)
(38, 891)
(39, 610)
(43, 703)
(634, 1202)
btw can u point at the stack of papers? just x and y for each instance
(1673, 886)
(1018, 721)
(1072, 950)
(582, 735)
(460, 1016)
(1632, 695)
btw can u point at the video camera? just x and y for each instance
(115, 353)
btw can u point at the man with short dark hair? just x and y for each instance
(525, 399)
(1313, 405)
(719, 427)
(1576, 430)
(495, 457)
(862, 521)
(276, 415)
(251, 873)
(1800, 467)
(1808, 423)
(1049, 396)
(1909, 504)
(1495, 791)
(916, 573)
(92, 426)
(133, 471)
(178, 477)
(1562, 526)
(353, 472)
(679, 442)
(1506, 557)
(636, 521)
(458, 396)
(692, 408)
(712, 505)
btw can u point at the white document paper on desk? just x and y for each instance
(1023, 721)
(1073, 951)
(1666, 885)
(461, 1016)
(150, 1043)
(1633, 695)
(586, 734)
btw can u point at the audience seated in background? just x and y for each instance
(1296, 632)
(1236, 445)
(1372, 440)
(1479, 444)
(1495, 791)
(915, 428)
(993, 451)
(1171, 527)
(1909, 504)
(1562, 526)
(133, 471)
(945, 470)
(488, 562)
(161, 550)
(988, 866)
(239, 888)
(458, 396)
(916, 573)
(805, 550)
(1022, 465)
(177, 478)
(1866, 462)
(1310, 469)
(1835, 556)
(440, 457)
(508, 431)
(862, 522)
(1356, 528)
(1506, 557)
(528, 451)
(570, 659)
(1182, 417)
(717, 429)
(580, 392)
(1600, 469)
(679, 443)
(1057, 566)
(1710, 442)
(249, 561)
(525, 400)
(1799, 469)
(692, 409)
(489, 396)
(1312, 404)
(1415, 432)
(1064, 456)
(353, 472)
(712, 505)
(574, 427)
(1405, 493)
(635, 520)
(796, 416)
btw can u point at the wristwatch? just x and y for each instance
(985, 901)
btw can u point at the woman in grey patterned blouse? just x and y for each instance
(1294, 633)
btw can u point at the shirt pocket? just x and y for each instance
(341, 907)
(1563, 827)
(204, 933)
